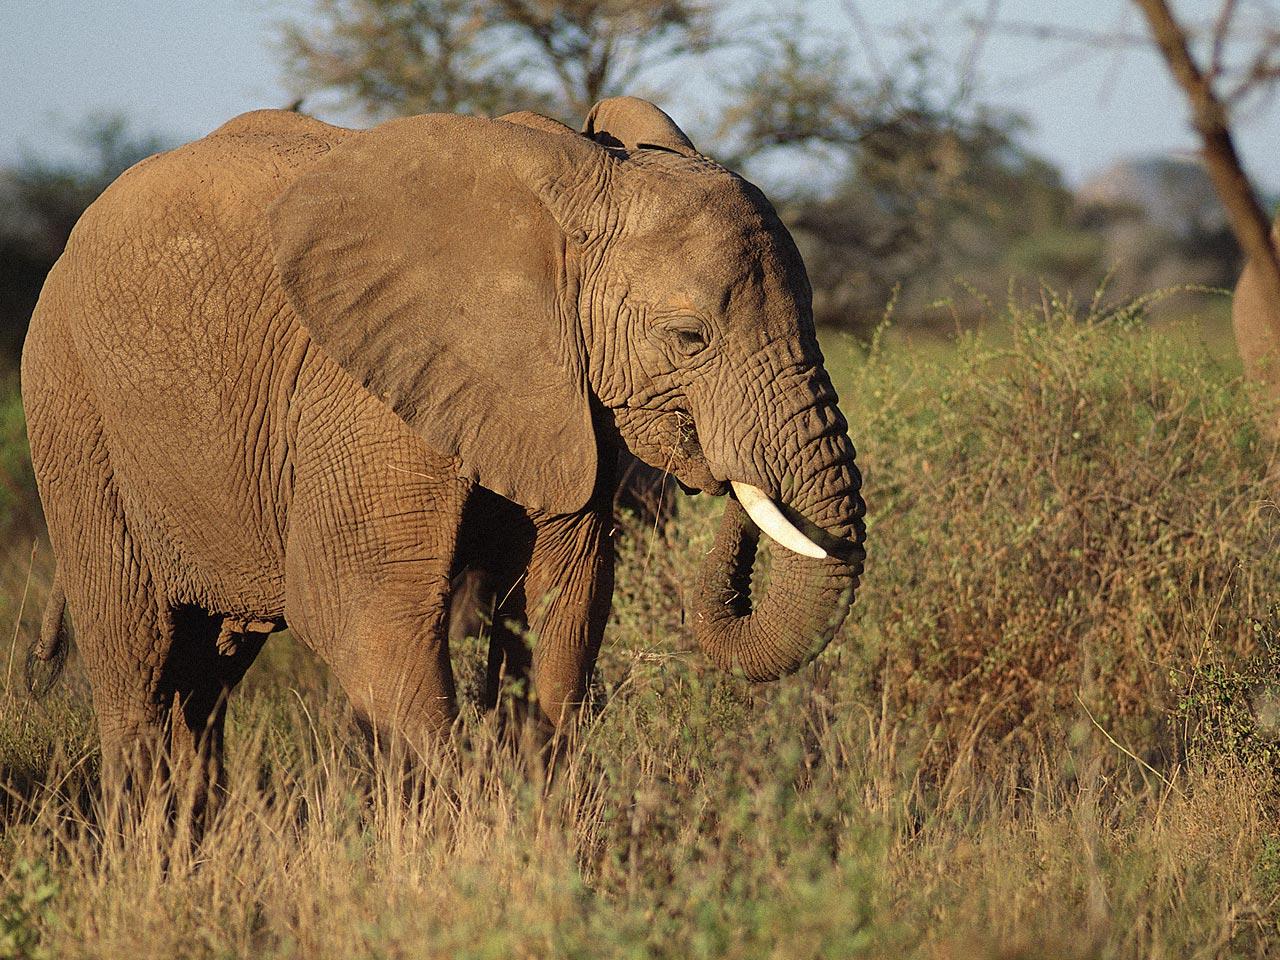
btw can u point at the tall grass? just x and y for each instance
(1046, 731)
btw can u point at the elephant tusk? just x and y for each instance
(766, 515)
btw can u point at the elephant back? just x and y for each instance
(166, 309)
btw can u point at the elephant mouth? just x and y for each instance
(699, 480)
(666, 440)
(691, 472)
(711, 487)
(689, 463)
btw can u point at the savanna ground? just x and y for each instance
(1048, 730)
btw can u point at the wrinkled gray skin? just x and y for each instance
(296, 374)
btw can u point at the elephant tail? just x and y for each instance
(51, 646)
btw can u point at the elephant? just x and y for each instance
(292, 374)
(1256, 323)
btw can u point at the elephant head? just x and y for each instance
(522, 296)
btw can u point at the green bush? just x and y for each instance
(19, 502)
(26, 909)
(1061, 514)
(1227, 709)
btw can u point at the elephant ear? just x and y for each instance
(426, 257)
(636, 125)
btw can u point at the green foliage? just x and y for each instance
(1267, 868)
(1068, 253)
(26, 910)
(1060, 515)
(1228, 708)
(19, 502)
(396, 57)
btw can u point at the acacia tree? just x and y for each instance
(395, 57)
(922, 183)
(1212, 90)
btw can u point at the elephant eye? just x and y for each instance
(687, 335)
(691, 339)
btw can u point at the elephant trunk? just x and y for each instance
(807, 598)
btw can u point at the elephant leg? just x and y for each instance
(123, 642)
(372, 537)
(402, 682)
(568, 593)
(388, 648)
(123, 628)
(160, 684)
(552, 584)
(470, 606)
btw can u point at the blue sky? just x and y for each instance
(182, 67)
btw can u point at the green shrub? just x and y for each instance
(19, 502)
(1066, 512)
(26, 909)
(1227, 708)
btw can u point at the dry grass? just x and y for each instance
(1047, 731)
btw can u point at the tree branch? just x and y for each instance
(1221, 30)
(1209, 116)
